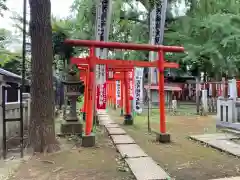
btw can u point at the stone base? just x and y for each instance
(128, 119)
(88, 140)
(163, 138)
(71, 119)
(69, 128)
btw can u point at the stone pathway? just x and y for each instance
(221, 141)
(142, 166)
(232, 178)
(231, 131)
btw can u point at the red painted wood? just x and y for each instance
(112, 63)
(128, 46)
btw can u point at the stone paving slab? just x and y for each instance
(122, 139)
(131, 151)
(227, 146)
(101, 111)
(106, 122)
(235, 132)
(221, 144)
(112, 125)
(105, 118)
(231, 178)
(208, 137)
(116, 131)
(222, 124)
(144, 168)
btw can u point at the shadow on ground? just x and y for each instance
(75, 163)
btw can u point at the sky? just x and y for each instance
(60, 8)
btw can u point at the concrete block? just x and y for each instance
(163, 138)
(128, 119)
(88, 140)
(71, 128)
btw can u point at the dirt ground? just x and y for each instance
(77, 163)
(183, 159)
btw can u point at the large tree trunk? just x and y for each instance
(42, 129)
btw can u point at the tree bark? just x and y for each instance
(42, 129)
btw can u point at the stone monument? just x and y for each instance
(74, 88)
(228, 109)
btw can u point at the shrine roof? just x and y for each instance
(12, 77)
(8, 73)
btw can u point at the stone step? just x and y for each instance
(115, 131)
(122, 139)
(131, 151)
(145, 168)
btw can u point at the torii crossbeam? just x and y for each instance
(92, 60)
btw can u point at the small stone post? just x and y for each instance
(233, 96)
(1, 120)
(223, 88)
(198, 95)
(174, 106)
(204, 102)
(27, 99)
(233, 89)
(1, 82)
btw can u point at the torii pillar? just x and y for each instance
(128, 119)
(122, 98)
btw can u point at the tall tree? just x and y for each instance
(42, 130)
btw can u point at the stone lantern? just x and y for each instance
(74, 88)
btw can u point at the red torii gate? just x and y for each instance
(120, 66)
(118, 75)
(92, 60)
(121, 74)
